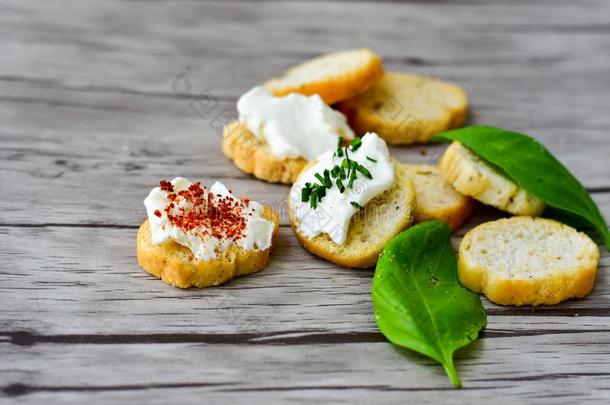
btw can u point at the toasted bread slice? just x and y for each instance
(335, 76)
(370, 229)
(176, 265)
(254, 156)
(436, 199)
(405, 109)
(527, 261)
(471, 176)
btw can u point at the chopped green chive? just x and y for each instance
(352, 177)
(321, 192)
(356, 205)
(327, 182)
(348, 170)
(335, 171)
(340, 185)
(364, 171)
(305, 193)
(348, 163)
(340, 146)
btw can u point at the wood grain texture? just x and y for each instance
(101, 99)
(99, 288)
(110, 150)
(367, 371)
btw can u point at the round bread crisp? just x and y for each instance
(405, 109)
(176, 265)
(436, 199)
(471, 176)
(370, 229)
(527, 261)
(335, 76)
(254, 156)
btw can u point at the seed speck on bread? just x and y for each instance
(527, 261)
(436, 199)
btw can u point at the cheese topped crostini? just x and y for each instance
(275, 137)
(350, 201)
(199, 237)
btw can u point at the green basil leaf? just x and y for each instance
(529, 164)
(419, 302)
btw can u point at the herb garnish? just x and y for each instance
(340, 186)
(347, 170)
(347, 163)
(313, 193)
(340, 146)
(363, 170)
(418, 300)
(356, 205)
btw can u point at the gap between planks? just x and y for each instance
(279, 338)
(16, 390)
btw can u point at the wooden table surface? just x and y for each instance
(101, 99)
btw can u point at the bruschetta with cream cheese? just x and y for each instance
(350, 201)
(275, 137)
(198, 237)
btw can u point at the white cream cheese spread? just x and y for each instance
(206, 222)
(294, 125)
(338, 185)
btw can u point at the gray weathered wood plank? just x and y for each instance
(86, 157)
(537, 368)
(94, 112)
(487, 42)
(73, 280)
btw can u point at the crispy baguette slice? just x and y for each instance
(370, 229)
(527, 261)
(471, 176)
(335, 76)
(254, 156)
(175, 264)
(405, 109)
(436, 199)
